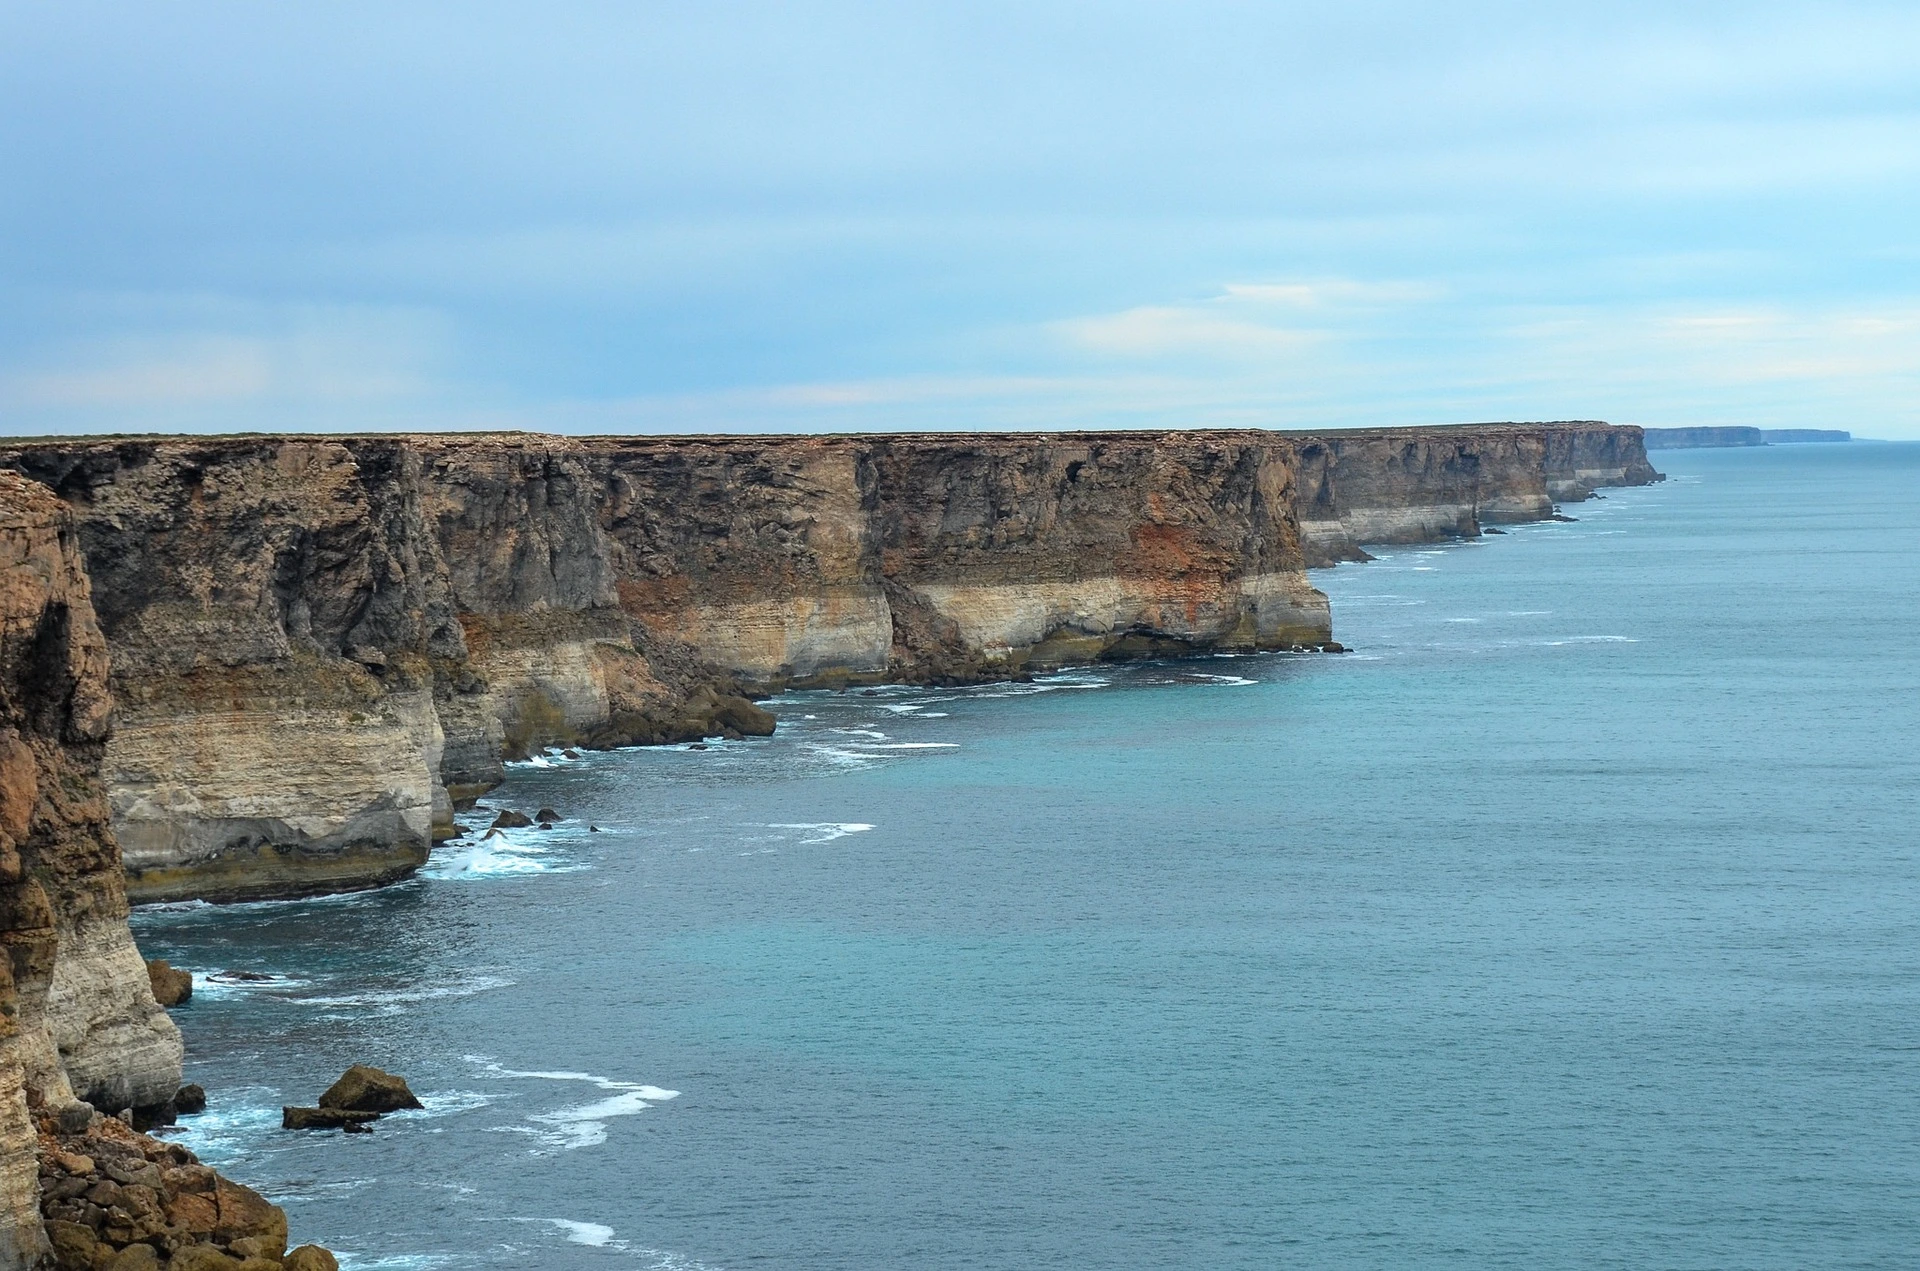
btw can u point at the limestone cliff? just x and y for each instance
(77, 1016)
(1419, 485)
(322, 644)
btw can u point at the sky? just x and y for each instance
(737, 217)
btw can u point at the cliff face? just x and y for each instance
(1419, 485)
(77, 1016)
(321, 645)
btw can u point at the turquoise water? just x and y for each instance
(1572, 921)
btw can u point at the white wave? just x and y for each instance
(172, 906)
(1236, 681)
(1473, 620)
(594, 1234)
(448, 1102)
(860, 732)
(823, 831)
(907, 745)
(1591, 640)
(844, 758)
(395, 1261)
(597, 1235)
(584, 1125)
(934, 715)
(392, 1001)
(236, 1120)
(220, 986)
(1528, 613)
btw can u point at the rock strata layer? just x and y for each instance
(321, 646)
(1422, 485)
(78, 1019)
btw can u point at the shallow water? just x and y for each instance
(1574, 920)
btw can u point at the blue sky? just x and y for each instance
(763, 217)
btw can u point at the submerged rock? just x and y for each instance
(365, 1089)
(170, 987)
(323, 1118)
(310, 1258)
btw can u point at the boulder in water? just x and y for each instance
(546, 814)
(323, 1118)
(191, 1099)
(170, 987)
(365, 1089)
(511, 820)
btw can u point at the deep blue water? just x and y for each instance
(1573, 921)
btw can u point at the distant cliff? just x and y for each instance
(1419, 485)
(321, 644)
(1803, 436)
(1702, 438)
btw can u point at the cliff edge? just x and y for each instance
(322, 645)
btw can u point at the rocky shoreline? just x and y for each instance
(81, 1034)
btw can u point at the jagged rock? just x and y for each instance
(170, 987)
(511, 820)
(74, 1245)
(292, 1118)
(135, 1257)
(311, 1258)
(192, 1098)
(153, 1115)
(202, 1257)
(365, 1089)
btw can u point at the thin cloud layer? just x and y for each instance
(749, 216)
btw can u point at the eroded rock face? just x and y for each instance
(77, 1014)
(323, 645)
(1423, 485)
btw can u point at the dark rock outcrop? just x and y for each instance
(365, 1089)
(292, 1118)
(170, 987)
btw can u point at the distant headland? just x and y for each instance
(1705, 438)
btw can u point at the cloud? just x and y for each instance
(229, 365)
(756, 216)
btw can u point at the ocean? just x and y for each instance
(1572, 920)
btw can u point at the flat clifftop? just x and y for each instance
(522, 438)
(320, 644)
